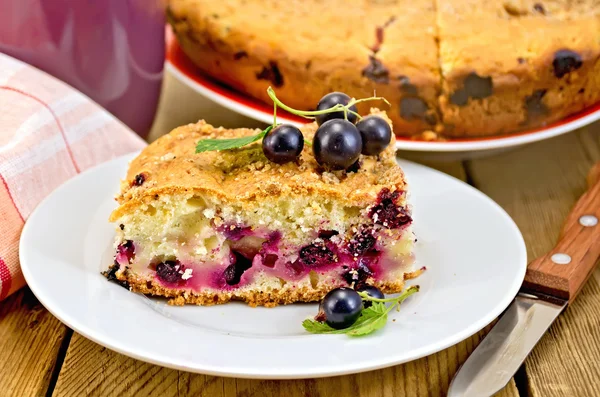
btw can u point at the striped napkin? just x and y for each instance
(49, 132)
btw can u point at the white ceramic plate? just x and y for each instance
(474, 253)
(184, 70)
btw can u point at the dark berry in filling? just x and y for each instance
(406, 86)
(361, 242)
(566, 61)
(478, 87)
(111, 275)
(272, 74)
(139, 179)
(127, 249)
(412, 108)
(376, 72)
(459, 97)
(327, 234)
(534, 104)
(269, 249)
(269, 260)
(233, 272)
(359, 275)
(474, 86)
(169, 271)
(295, 268)
(316, 255)
(387, 213)
(235, 232)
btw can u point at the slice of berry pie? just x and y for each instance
(210, 227)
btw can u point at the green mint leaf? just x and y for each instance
(208, 145)
(317, 327)
(370, 320)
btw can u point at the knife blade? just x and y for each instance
(551, 283)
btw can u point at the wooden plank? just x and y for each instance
(30, 340)
(537, 185)
(92, 370)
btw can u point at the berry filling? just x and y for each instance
(387, 212)
(362, 242)
(359, 276)
(269, 260)
(170, 271)
(235, 232)
(139, 180)
(316, 255)
(239, 264)
(295, 268)
(327, 234)
(125, 253)
(245, 253)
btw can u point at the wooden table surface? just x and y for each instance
(536, 184)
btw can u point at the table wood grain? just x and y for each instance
(536, 184)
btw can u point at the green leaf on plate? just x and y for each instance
(371, 319)
(208, 145)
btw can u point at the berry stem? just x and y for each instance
(373, 98)
(309, 114)
(399, 299)
(274, 114)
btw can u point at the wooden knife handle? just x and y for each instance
(563, 271)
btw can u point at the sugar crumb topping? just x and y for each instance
(245, 175)
(168, 156)
(187, 274)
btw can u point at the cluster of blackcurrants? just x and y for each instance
(339, 140)
(341, 307)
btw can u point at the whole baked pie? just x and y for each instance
(450, 68)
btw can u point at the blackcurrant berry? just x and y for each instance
(337, 144)
(376, 134)
(373, 292)
(283, 144)
(329, 101)
(341, 307)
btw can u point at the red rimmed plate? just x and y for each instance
(183, 68)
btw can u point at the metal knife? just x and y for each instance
(552, 282)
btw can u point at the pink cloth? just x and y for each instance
(49, 132)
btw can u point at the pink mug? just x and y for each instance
(111, 50)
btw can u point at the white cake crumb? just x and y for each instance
(209, 213)
(187, 274)
(166, 157)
